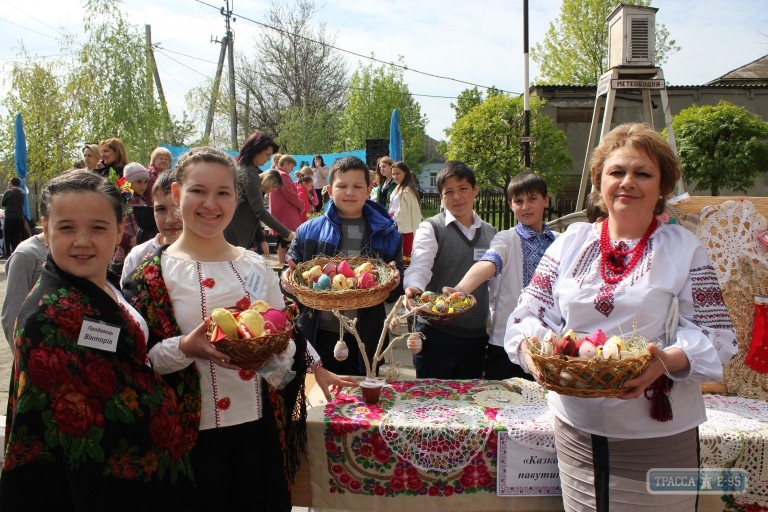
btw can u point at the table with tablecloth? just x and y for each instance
(432, 445)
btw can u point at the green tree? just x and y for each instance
(721, 147)
(40, 92)
(575, 48)
(114, 83)
(307, 131)
(487, 138)
(372, 95)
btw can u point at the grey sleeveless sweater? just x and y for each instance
(455, 256)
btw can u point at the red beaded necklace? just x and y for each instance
(612, 258)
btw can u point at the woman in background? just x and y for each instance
(404, 207)
(114, 157)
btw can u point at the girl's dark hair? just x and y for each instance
(322, 162)
(81, 181)
(255, 144)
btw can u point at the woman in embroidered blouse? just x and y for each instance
(624, 271)
(245, 450)
(90, 424)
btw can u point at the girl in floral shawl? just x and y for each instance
(90, 425)
(250, 434)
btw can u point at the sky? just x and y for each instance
(463, 43)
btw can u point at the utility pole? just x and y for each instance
(227, 46)
(155, 73)
(526, 94)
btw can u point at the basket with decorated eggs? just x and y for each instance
(340, 283)
(441, 307)
(589, 366)
(251, 336)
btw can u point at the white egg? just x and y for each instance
(587, 349)
(566, 379)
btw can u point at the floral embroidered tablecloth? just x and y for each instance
(392, 456)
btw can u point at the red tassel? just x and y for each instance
(661, 408)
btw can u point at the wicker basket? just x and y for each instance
(586, 378)
(253, 353)
(327, 300)
(440, 318)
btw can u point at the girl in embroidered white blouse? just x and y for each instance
(625, 271)
(239, 458)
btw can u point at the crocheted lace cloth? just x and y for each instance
(729, 233)
(439, 436)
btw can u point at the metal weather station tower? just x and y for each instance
(632, 36)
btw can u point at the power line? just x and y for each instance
(369, 57)
(27, 28)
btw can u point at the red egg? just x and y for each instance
(274, 320)
(344, 269)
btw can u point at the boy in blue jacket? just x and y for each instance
(351, 226)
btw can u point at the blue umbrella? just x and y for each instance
(395, 138)
(21, 159)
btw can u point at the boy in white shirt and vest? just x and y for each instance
(444, 248)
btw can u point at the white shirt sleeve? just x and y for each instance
(167, 357)
(419, 273)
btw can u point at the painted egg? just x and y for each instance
(340, 351)
(339, 282)
(414, 343)
(440, 306)
(274, 320)
(587, 349)
(366, 280)
(329, 268)
(324, 281)
(456, 296)
(428, 297)
(344, 269)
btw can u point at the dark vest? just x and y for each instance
(455, 256)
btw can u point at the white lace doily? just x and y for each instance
(729, 233)
(745, 407)
(442, 437)
(530, 425)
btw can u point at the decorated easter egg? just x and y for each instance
(414, 343)
(329, 268)
(612, 348)
(250, 324)
(351, 283)
(428, 297)
(365, 281)
(440, 306)
(457, 296)
(340, 351)
(344, 269)
(324, 281)
(339, 282)
(274, 320)
(597, 338)
(259, 305)
(363, 268)
(587, 349)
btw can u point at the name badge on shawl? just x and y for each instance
(98, 335)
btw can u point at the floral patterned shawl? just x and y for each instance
(88, 427)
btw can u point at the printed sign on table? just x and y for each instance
(524, 471)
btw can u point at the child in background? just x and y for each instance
(285, 205)
(404, 207)
(351, 225)
(386, 183)
(250, 441)
(167, 219)
(138, 176)
(306, 188)
(509, 265)
(444, 248)
(89, 421)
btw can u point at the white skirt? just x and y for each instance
(601, 474)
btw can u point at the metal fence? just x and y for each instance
(492, 207)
